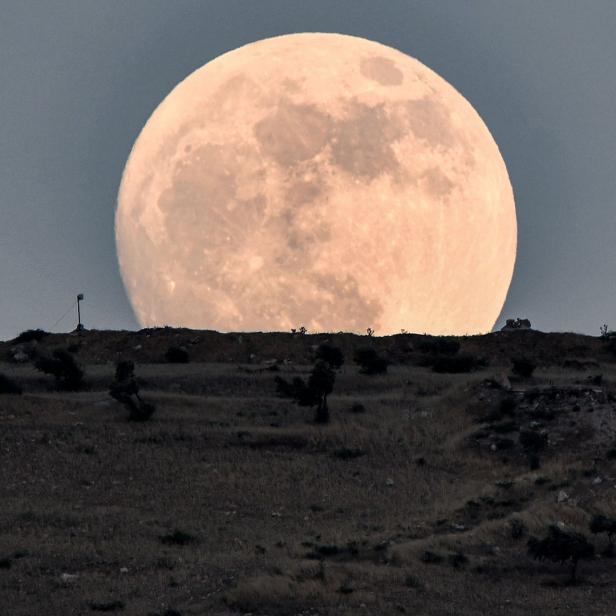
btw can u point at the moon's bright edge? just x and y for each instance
(319, 180)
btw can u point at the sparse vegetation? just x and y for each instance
(63, 366)
(561, 546)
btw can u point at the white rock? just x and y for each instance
(562, 496)
(597, 480)
(389, 482)
(68, 578)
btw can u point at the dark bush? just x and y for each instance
(439, 346)
(125, 390)
(523, 367)
(561, 546)
(370, 361)
(177, 537)
(456, 364)
(107, 606)
(314, 393)
(430, 557)
(518, 528)
(8, 386)
(177, 355)
(348, 453)
(321, 383)
(457, 560)
(62, 365)
(330, 354)
(603, 524)
(358, 408)
(507, 405)
(125, 370)
(533, 443)
(31, 335)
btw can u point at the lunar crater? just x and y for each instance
(382, 70)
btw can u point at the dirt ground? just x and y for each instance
(417, 497)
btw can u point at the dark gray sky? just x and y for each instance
(79, 78)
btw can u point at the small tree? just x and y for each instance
(370, 361)
(330, 354)
(314, 393)
(561, 546)
(62, 365)
(125, 389)
(533, 443)
(321, 384)
(603, 524)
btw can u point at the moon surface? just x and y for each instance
(321, 180)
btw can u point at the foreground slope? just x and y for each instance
(417, 497)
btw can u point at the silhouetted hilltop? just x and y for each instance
(150, 345)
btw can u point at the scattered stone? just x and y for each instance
(68, 578)
(597, 480)
(562, 497)
(389, 482)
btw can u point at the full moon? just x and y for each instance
(320, 180)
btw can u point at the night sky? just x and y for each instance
(80, 78)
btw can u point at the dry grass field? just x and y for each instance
(416, 498)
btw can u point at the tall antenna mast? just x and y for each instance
(79, 323)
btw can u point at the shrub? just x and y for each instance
(507, 405)
(456, 364)
(125, 370)
(561, 546)
(8, 386)
(321, 383)
(125, 390)
(62, 365)
(517, 528)
(330, 354)
(358, 407)
(602, 524)
(177, 537)
(370, 361)
(533, 443)
(523, 367)
(314, 393)
(440, 346)
(177, 355)
(31, 335)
